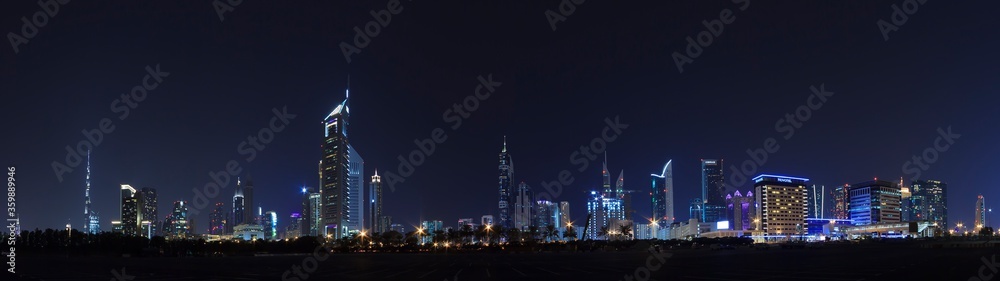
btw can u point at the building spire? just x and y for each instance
(504, 144)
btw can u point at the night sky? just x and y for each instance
(606, 60)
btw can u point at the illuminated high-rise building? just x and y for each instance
(91, 220)
(131, 214)
(874, 202)
(335, 171)
(180, 224)
(980, 221)
(506, 177)
(524, 205)
(270, 223)
(606, 177)
(149, 207)
(486, 220)
(312, 206)
(662, 194)
(742, 210)
(378, 224)
(841, 200)
(817, 201)
(355, 189)
(603, 212)
(929, 202)
(240, 210)
(546, 214)
(713, 190)
(782, 204)
(906, 193)
(217, 220)
(624, 195)
(248, 202)
(564, 212)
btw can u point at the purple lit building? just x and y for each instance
(741, 210)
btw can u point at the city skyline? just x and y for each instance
(545, 111)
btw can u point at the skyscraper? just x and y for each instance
(546, 214)
(180, 223)
(91, 220)
(624, 195)
(742, 210)
(840, 202)
(312, 212)
(929, 202)
(907, 208)
(217, 220)
(248, 202)
(817, 199)
(149, 207)
(335, 171)
(663, 196)
(378, 225)
(876, 201)
(564, 212)
(606, 177)
(356, 187)
(604, 212)
(713, 190)
(523, 207)
(270, 223)
(980, 213)
(131, 217)
(782, 204)
(506, 171)
(596, 214)
(239, 215)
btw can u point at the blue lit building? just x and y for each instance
(875, 202)
(833, 228)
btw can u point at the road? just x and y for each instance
(847, 263)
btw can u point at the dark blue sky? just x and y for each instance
(607, 59)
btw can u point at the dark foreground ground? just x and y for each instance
(881, 262)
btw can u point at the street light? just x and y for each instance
(488, 237)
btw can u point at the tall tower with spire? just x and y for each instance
(607, 177)
(375, 197)
(335, 171)
(91, 221)
(506, 175)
